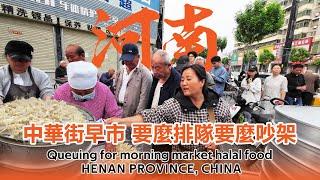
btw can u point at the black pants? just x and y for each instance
(307, 98)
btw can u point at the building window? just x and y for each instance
(300, 36)
(312, 33)
(303, 2)
(304, 23)
(315, 47)
(306, 12)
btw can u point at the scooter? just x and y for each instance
(260, 115)
(239, 107)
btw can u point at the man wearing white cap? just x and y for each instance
(83, 89)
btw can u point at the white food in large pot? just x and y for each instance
(16, 114)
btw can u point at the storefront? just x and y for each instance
(305, 43)
(39, 35)
(50, 25)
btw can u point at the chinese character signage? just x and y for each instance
(79, 11)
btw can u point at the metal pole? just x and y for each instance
(289, 37)
(160, 26)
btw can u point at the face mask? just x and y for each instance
(86, 97)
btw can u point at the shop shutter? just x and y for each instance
(87, 41)
(39, 35)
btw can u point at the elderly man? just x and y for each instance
(84, 90)
(61, 70)
(74, 53)
(165, 79)
(108, 77)
(19, 79)
(192, 55)
(133, 82)
(202, 61)
(165, 82)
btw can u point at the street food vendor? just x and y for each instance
(19, 79)
(84, 90)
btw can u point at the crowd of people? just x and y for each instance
(183, 92)
(296, 88)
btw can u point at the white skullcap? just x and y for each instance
(82, 75)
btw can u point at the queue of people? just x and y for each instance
(136, 89)
(185, 93)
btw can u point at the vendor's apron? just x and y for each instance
(19, 92)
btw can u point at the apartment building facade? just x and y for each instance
(306, 33)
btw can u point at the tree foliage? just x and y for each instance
(299, 55)
(249, 56)
(258, 20)
(266, 57)
(316, 62)
(225, 60)
(204, 53)
(221, 43)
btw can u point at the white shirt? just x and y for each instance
(156, 95)
(253, 90)
(41, 79)
(17, 79)
(125, 79)
(273, 85)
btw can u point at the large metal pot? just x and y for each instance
(302, 159)
(17, 154)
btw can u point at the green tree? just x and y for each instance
(258, 20)
(299, 55)
(225, 60)
(249, 56)
(316, 62)
(266, 57)
(204, 53)
(221, 43)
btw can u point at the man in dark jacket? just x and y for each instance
(107, 78)
(296, 85)
(165, 82)
(181, 63)
(61, 70)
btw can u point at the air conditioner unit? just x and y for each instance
(317, 14)
(315, 27)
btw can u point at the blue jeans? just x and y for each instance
(294, 101)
